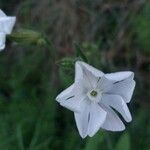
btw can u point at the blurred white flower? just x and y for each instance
(6, 26)
(93, 95)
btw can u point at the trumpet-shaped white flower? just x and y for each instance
(6, 26)
(94, 96)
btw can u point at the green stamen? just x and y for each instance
(93, 93)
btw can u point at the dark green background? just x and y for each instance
(114, 35)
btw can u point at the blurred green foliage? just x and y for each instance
(113, 35)
(124, 142)
(142, 24)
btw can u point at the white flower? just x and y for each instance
(93, 95)
(6, 26)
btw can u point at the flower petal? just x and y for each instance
(104, 84)
(82, 118)
(124, 88)
(117, 103)
(7, 24)
(87, 73)
(78, 71)
(72, 97)
(85, 76)
(63, 95)
(112, 122)
(2, 14)
(90, 68)
(96, 118)
(118, 76)
(2, 41)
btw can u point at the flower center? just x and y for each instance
(95, 95)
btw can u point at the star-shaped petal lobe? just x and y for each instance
(124, 84)
(112, 122)
(116, 102)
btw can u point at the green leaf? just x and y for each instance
(124, 142)
(79, 52)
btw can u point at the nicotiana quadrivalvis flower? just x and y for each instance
(94, 96)
(6, 26)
